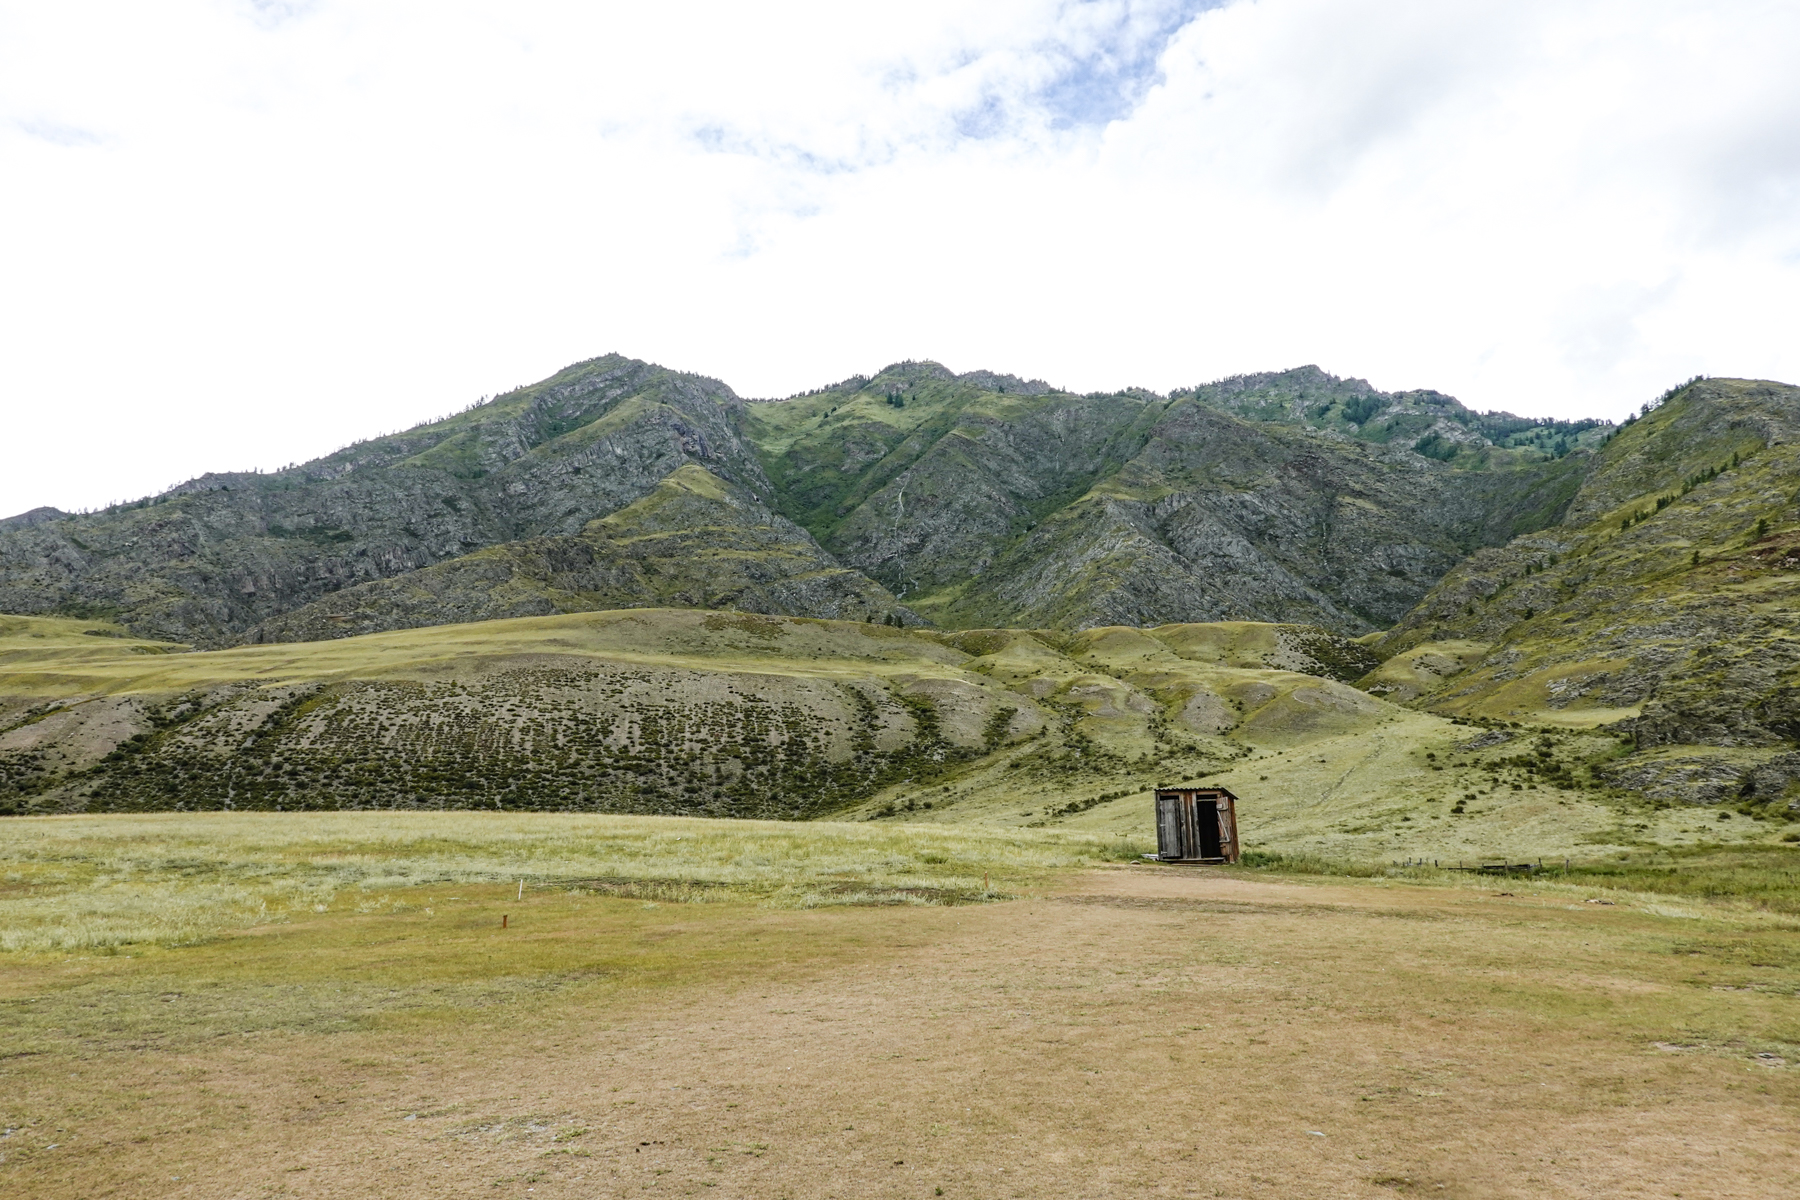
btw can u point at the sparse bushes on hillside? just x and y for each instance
(538, 739)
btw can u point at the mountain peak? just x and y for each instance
(38, 516)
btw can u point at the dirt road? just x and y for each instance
(1147, 1031)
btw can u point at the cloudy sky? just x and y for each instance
(238, 233)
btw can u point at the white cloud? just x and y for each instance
(238, 233)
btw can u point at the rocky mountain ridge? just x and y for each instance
(209, 559)
(971, 500)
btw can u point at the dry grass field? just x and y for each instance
(743, 1009)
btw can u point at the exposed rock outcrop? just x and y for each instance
(693, 542)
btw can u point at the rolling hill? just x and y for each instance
(684, 712)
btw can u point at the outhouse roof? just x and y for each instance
(1213, 788)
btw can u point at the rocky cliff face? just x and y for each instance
(920, 478)
(979, 499)
(693, 542)
(1215, 517)
(1254, 499)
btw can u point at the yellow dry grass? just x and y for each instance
(42, 657)
(1119, 1031)
(104, 883)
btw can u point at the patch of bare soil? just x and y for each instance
(1152, 1031)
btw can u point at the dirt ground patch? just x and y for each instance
(1137, 1031)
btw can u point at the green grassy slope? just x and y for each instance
(1663, 605)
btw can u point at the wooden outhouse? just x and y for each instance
(1196, 824)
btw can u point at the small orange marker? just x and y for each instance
(503, 920)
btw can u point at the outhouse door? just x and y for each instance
(1169, 841)
(1206, 829)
